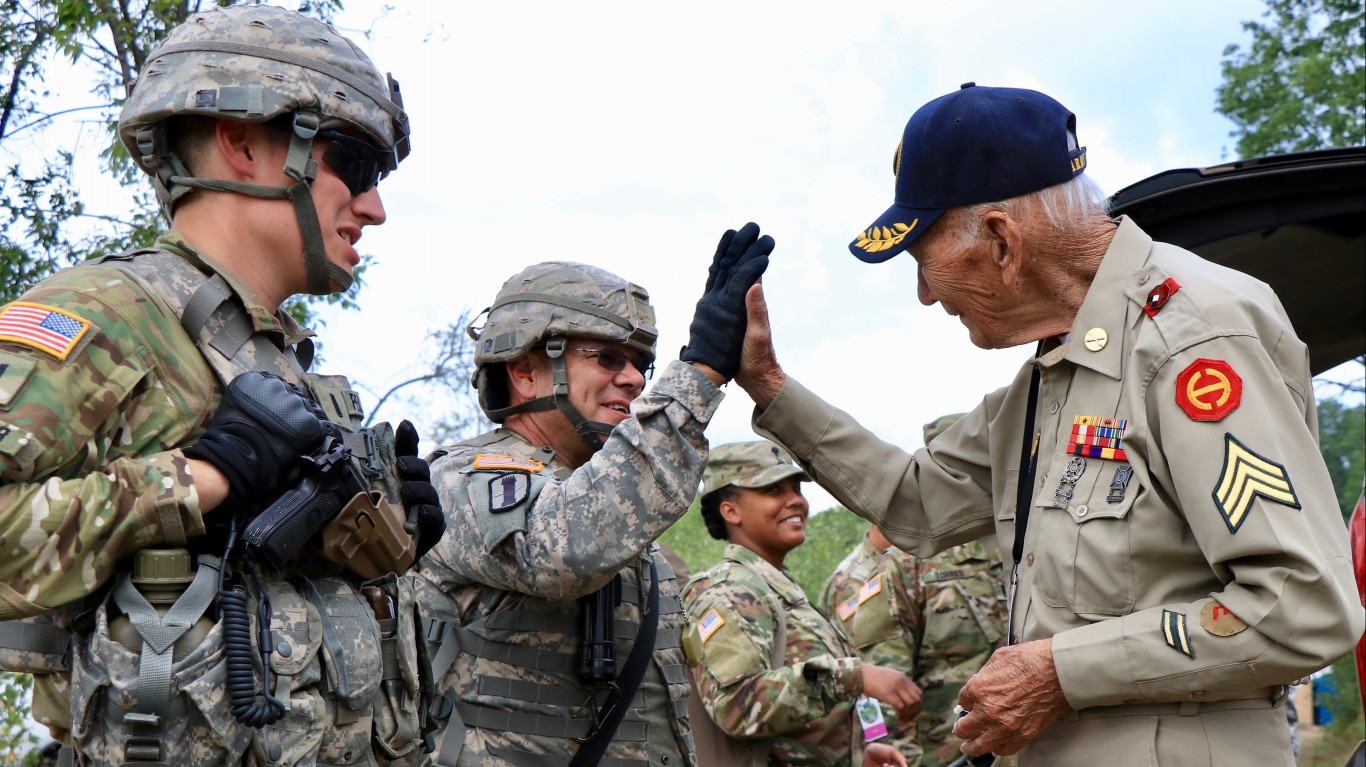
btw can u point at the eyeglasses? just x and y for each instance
(615, 361)
(358, 163)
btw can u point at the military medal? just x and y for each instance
(1068, 482)
(1120, 483)
(1097, 437)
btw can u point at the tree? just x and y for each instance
(1299, 84)
(46, 223)
(1342, 440)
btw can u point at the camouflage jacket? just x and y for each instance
(806, 706)
(937, 619)
(94, 416)
(526, 538)
(91, 425)
(848, 577)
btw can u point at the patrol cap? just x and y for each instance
(940, 425)
(750, 465)
(974, 145)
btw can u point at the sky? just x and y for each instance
(631, 135)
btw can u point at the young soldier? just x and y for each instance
(160, 397)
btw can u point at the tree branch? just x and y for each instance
(47, 117)
(41, 31)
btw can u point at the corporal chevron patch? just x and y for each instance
(1245, 476)
(1174, 633)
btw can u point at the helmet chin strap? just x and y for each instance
(300, 166)
(593, 432)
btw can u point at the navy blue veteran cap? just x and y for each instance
(973, 145)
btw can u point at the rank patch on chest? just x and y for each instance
(710, 623)
(1219, 621)
(1097, 437)
(44, 328)
(1208, 390)
(1174, 633)
(506, 491)
(1245, 476)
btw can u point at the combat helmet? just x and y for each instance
(540, 307)
(257, 63)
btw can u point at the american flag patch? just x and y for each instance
(1096, 437)
(42, 327)
(870, 589)
(848, 607)
(710, 623)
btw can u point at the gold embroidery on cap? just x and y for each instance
(880, 238)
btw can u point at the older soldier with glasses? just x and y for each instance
(555, 621)
(1176, 552)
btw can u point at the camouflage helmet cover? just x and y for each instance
(556, 298)
(256, 63)
(562, 298)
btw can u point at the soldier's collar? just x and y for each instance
(1096, 340)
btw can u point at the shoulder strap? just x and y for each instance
(212, 315)
(632, 674)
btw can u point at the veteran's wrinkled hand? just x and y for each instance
(1011, 700)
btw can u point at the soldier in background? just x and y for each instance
(159, 397)
(769, 668)
(938, 619)
(555, 621)
(851, 573)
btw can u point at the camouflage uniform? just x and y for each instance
(93, 418)
(938, 619)
(848, 577)
(528, 537)
(807, 706)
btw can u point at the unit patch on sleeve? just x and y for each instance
(1174, 633)
(44, 328)
(506, 491)
(1208, 390)
(1219, 621)
(1097, 437)
(495, 462)
(1246, 475)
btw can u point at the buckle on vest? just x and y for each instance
(590, 710)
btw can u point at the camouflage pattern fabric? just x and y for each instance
(937, 619)
(848, 577)
(512, 576)
(807, 706)
(92, 472)
(751, 465)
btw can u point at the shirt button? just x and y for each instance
(1029, 559)
(1081, 510)
(1053, 408)
(1142, 279)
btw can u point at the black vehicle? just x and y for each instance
(1298, 223)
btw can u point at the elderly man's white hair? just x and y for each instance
(1063, 207)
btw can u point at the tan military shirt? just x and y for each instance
(1219, 568)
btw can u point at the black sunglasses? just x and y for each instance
(358, 163)
(615, 361)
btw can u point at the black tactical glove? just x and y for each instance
(419, 496)
(261, 429)
(717, 333)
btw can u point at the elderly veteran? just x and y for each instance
(1176, 552)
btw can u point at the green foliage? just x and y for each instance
(1345, 702)
(15, 737)
(1299, 84)
(45, 224)
(1342, 440)
(830, 536)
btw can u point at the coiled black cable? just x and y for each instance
(248, 706)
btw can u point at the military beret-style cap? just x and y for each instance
(972, 146)
(750, 465)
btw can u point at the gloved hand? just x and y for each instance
(717, 332)
(419, 496)
(261, 429)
